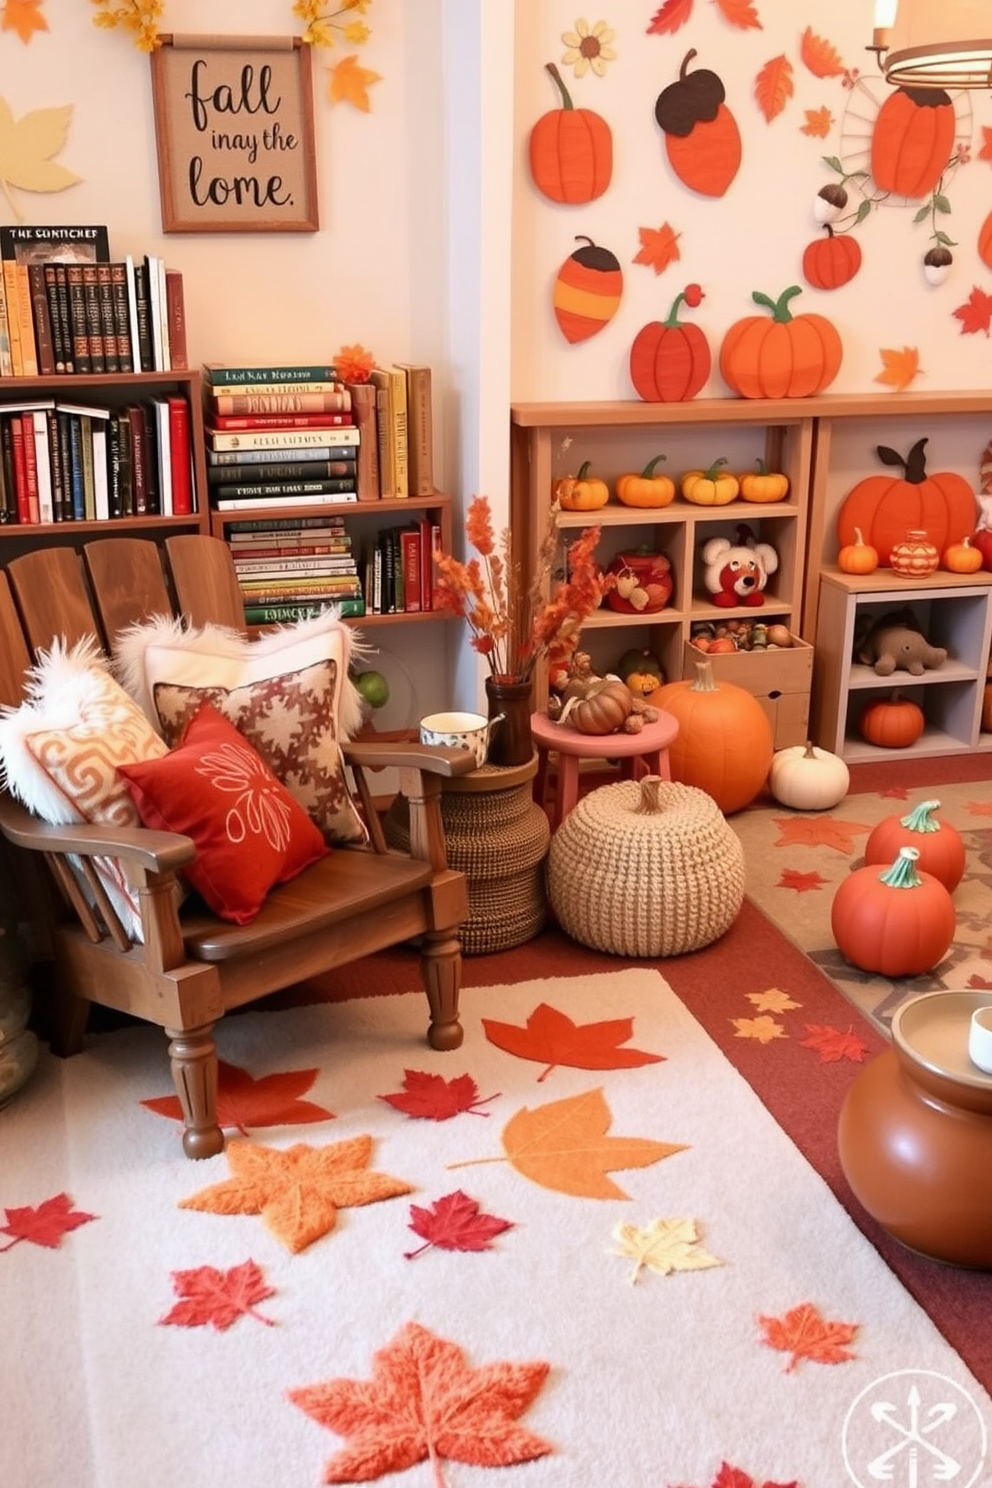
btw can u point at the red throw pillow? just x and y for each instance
(249, 831)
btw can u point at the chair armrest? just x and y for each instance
(438, 759)
(157, 852)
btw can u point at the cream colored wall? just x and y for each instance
(753, 236)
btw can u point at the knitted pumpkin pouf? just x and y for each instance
(646, 868)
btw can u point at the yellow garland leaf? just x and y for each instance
(899, 368)
(764, 1029)
(349, 83)
(664, 1246)
(24, 17)
(774, 1000)
(26, 148)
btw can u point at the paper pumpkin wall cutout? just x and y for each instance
(912, 141)
(788, 356)
(702, 139)
(571, 150)
(26, 149)
(670, 361)
(886, 507)
(985, 242)
(587, 291)
(832, 260)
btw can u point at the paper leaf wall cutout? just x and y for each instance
(804, 1333)
(818, 123)
(347, 82)
(44, 1225)
(423, 1401)
(219, 1298)
(899, 368)
(26, 149)
(734, 1477)
(244, 1102)
(819, 55)
(433, 1098)
(664, 1246)
(24, 17)
(976, 313)
(774, 86)
(672, 15)
(659, 247)
(551, 1037)
(454, 1222)
(740, 13)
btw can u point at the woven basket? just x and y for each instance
(646, 868)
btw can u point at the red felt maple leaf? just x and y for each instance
(672, 15)
(833, 1044)
(733, 1477)
(976, 313)
(551, 1038)
(244, 1102)
(819, 831)
(805, 1334)
(424, 1401)
(454, 1223)
(436, 1099)
(791, 878)
(219, 1297)
(45, 1225)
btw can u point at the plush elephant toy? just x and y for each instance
(897, 644)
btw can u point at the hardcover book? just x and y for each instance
(281, 470)
(259, 503)
(363, 401)
(44, 330)
(175, 309)
(336, 401)
(391, 381)
(420, 428)
(287, 454)
(282, 420)
(273, 439)
(222, 375)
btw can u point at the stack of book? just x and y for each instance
(73, 462)
(67, 307)
(279, 434)
(398, 568)
(291, 568)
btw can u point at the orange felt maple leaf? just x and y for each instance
(244, 1102)
(564, 1146)
(354, 363)
(805, 1334)
(833, 1044)
(740, 13)
(763, 1030)
(672, 15)
(791, 878)
(819, 123)
(819, 831)
(774, 86)
(24, 17)
(976, 313)
(299, 1190)
(44, 1225)
(207, 1295)
(819, 55)
(349, 83)
(899, 368)
(551, 1037)
(659, 247)
(424, 1402)
(434, 1098)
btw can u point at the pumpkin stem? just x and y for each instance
(650, 802)
(583, 470)
(780, 307)
(859, 537)
(673, 314)
(648, 470)
(715, 468)
(903, 874)
(914, 467)
(566, 100)
(761, 466)
(920, 819)
(705, 681)
(810, 751)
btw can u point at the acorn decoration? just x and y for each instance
(587, 290)
(701, 134)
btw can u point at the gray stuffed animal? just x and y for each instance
(896, 643)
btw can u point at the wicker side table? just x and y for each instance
(498, 837)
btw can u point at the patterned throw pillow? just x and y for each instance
(59, 753)
(249, 832)
(287, 692)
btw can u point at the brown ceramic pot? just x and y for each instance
(915, 1133)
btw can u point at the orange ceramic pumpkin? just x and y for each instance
(857, 557)
(939, 846)
(789, 356)
(571, 150)
(587, 291)
(886, 507)
(912, 141)
(961, 557)
(724, 744)
(895, 923)
(831, 261)
(892, 723)
(670, 361)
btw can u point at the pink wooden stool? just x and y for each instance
(645, 753)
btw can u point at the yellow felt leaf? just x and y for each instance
(27, 145)
(24, 17)
(664, 1246)
(899, 368)
(349, 83)
(764, 1029)
(773, 1000)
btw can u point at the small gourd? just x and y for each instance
(962, 558)
(858, 557)
(808, 778)
(646, 489)
(604, 711)
(763, 484)
(712, 487)
(582, 492)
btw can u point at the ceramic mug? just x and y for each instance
(980, 1039)
(458, 731)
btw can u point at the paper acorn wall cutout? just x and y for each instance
(571, 150)
(788, 356)
(702, 139)
(670, 360)
(587, 290)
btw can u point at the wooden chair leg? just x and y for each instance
(193, 1055)
(67, 1017)
(441, 969)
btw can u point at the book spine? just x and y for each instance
(338, 401)
(73, 503)
(25, 322)
(89, 481)
(282, 420)
(6, 361)
(163, 454)
(61, 508)
(181, 456)
(126, 468)
(9, 268)
(222, 376)
(64, 315)
(281, 470)
(384, 424)
(271, 591)
(108, 322)
(143, 319)
(261, 568)
(280, 614)
(326, 440)
(101, 470)
(271, 389)
(121, 306)
(280, 490)
(410, 567)
(259, 503)
(94, 320)
(30, 466)
(308, 525)
(82, 361)
(44, 331)
(163, 310)
(420, 430)
(139, 458)
(16, 429)
(175, 306)
(43, 466)
(424, 526)
(154, 312)
(54, 318)
(401, 441)
(8, 492)
(76, 481)
(363, 396)
(256, 552)
(149, 434)
(115, 498)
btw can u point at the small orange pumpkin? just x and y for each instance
(571, 150)
(857, 557)
(581, 492)
(897, 923)
(892, 723)
(831, 261)
(671, 360)
(789, 356)
(763, 484)
(724, 744)
(712, 487)
(646, 489)
(962, 558)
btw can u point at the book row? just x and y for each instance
(67, 462)
(67, 307)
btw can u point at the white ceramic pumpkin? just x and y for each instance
(808, 778)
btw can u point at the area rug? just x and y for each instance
(579, 1249)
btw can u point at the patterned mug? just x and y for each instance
(458, 731)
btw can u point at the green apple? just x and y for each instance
(374, 688)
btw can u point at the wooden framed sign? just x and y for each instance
(234, 129)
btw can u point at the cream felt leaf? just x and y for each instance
(763, 1030)
(772, 1000)
(26, 149)
(664, 1246)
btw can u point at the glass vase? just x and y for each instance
(510, 702)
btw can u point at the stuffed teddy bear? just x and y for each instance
(736, 573)
(896, 643)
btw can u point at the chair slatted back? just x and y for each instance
(128, 582)
(205, 580)
(52, 598)
(14, 655)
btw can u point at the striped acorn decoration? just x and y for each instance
(587, 290)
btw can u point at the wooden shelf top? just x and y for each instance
(635, 412)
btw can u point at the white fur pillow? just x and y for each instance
(288, 692)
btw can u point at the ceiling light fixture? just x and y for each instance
(934, 43)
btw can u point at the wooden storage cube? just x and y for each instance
(780, 680)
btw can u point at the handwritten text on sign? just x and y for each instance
(239, 137)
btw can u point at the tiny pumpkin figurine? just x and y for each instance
(712, 487)
(808, 778)
(582, 492)
(961, 557)
(789, 356)
(571, 150)
(650, 488)
(857, 557)
(896, 923)
(587, 291)
(763, 484)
